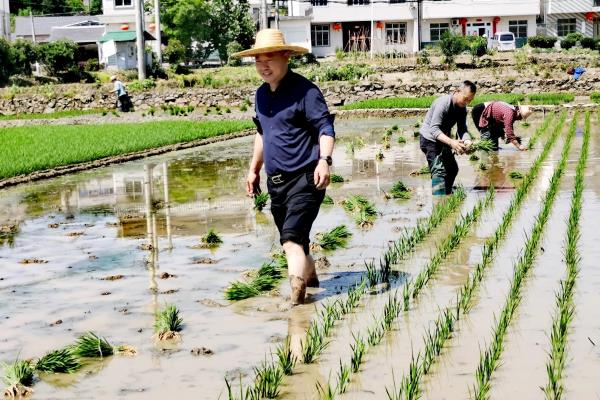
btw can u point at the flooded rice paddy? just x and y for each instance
(103, 250)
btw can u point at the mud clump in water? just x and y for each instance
(57, 322)
(53, 226)
(170, 291)
(168, 335)
(322, 263)
(146, 246)
(201, 351)
(204, 260)
(75, 234)
(8, 228)
(105, 293)
(17, 391)
(112, 278)
(166, 275)
(33, 261)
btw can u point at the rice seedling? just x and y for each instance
(168, 323)
(361, 209)
(19, 372)
(358, 351)
(267, 379)
(407, 390)
(550, 98)
(540, 130)
(343, 378)
(90, 345)
(350, 147)
(58, 361)
(260, 200)
(313, 344)
(400, 191)
(211, 239)
(249, 394)
(335, 178)
(401, 140)
(480, 145)
(287, 359)
(265, 279)
(489, 358)
(335, 238)
(379, 155)
(327, 200)
(326, 393)
(394, 127)
(375, 333)
(371, 274)
(525, 124)
(483, 166)
(515, 175)
(565, 308)
(42, 147)
(473, 157)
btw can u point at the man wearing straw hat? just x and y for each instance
(294, 141)
(495, 120)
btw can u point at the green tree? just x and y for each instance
(59, 56)
(95, 7)
(6, 67)
(175, 51)
(75, 6)
(452, 45)
(54, 6)
(24, 53)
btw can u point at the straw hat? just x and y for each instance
(113, 78)
(525, 112)
(269, 41)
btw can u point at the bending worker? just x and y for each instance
(295, 141)
(495, 120)
(436, 137)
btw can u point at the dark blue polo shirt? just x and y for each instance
(291, 120)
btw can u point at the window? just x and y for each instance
(358, 2)
(518, 28)
(123, 3)
(565, 26)
(395, 33)
(315, 3)
(436, 31)
(319, 35)
(400, 1)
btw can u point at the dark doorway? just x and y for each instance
(356, 36)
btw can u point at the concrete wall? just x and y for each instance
(583, 26)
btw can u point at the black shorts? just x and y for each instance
(295, 204)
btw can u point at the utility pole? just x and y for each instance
(419, 18)
(139, 30)
(372, 31)
(157, 31)
(37, 64)
(264, 24)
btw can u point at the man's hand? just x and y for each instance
(458, 146)
(322, 175)
(519, 145)
(252, 181)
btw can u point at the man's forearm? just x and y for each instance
(442, 137)
(326, 145)
(257, 155)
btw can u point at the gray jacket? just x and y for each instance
(441, 117)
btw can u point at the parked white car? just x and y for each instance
(503, 41)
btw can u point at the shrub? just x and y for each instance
(24, 53)
(567, 43)
(423, 58)
(6, 68)
(59, 56)
(575, 36)
(234, 47)
(91, 65)
(541, 42)
(174, 52)
(451, 45)
(145, 84)
(345, 73)
(477, 46)
(589, 43)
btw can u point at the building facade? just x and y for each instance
(4, 19)
(561, 17)
(405, 26)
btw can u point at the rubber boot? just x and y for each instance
(438, 186)
(298, 286)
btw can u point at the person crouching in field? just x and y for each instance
(294, 141)
(496, 119)
(436, 136)
(123, 100)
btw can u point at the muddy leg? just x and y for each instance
(298, 270)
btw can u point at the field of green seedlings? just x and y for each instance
(160, 278)
(424, 102)
(27, 149)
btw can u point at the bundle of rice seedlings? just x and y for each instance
(335, 238)
(18, 376)
(400, 191)
(211, 239)
(525, 124)
(363, 211)
(481, 145)
(280, 260)
(423, 171)
(168, 323)
(335, 178)
(58, 361)
(483, 166)
(265, 279)
(473, 157)
(516, 175)
(327, 200)
(260, 200)
(379, 156)
(91, 345)
(401, 140)
(394, 127)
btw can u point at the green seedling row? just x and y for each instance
(540, 130)
(490, 357)
(565, 309)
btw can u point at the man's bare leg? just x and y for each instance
(298, 270)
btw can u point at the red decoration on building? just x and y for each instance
(337, 26)
(496, 19)
(124, 27)
(495, 25)
(590, 16)
(463, 23)
(379, 25)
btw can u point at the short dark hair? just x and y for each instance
(470, 85)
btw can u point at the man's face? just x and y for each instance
(463, 97)
(272, 67)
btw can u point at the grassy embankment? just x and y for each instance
(425, 102)
(28, 149)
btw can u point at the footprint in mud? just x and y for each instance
(210, 303)
(322, 263)
(166, 275)
(57, 322)
(53, 226)
(105, 293)
(170, 291)
(112, 278)
(33, 261)
(75, 234)
(202, 351)
(112, 224)
(204, 260)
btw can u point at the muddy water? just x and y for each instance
(93, 225)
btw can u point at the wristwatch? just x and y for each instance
(328, 159)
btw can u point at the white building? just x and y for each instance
(562, 17)
(401, 25)
(4, 19)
